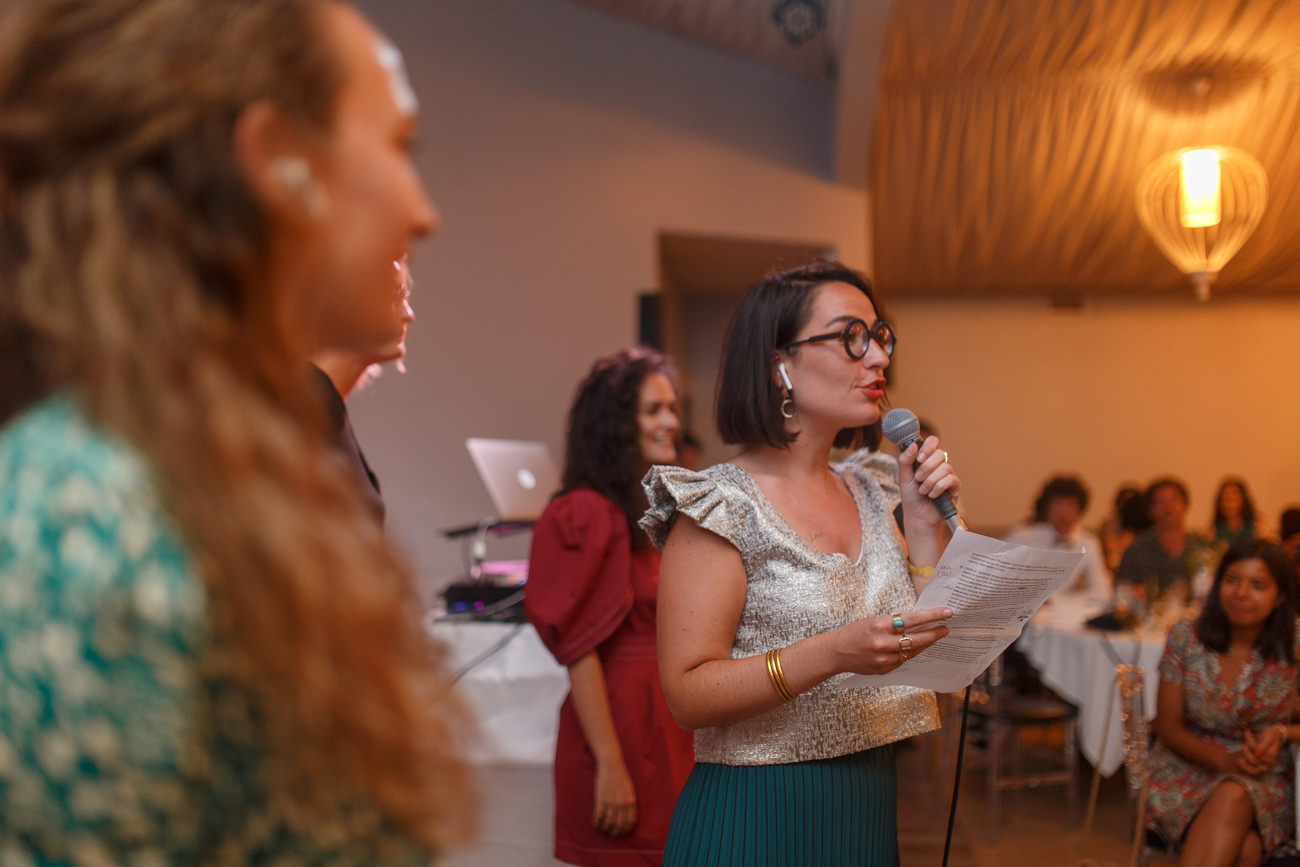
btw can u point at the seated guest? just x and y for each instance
(1289, 532)
(1167, 554)
(1234, 513)
(1057, 512)
(1127, 520)
(1219, 781)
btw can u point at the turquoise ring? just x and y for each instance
(898, 624)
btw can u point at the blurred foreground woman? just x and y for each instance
(207, 652)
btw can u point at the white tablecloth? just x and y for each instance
(515, 692)
(1073, 661)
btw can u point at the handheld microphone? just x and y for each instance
(902, 428)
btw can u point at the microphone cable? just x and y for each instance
(956, 776)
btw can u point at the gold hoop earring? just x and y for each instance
(787, 393)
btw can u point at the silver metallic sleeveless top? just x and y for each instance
(794, 592)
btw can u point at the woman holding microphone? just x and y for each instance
(787, 573)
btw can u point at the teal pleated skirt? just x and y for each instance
(828, 813)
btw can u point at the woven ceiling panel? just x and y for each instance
(1011, 134)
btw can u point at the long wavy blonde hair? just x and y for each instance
(130, 249)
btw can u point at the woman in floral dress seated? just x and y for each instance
(1220, 782)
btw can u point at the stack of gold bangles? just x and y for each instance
(777, 674)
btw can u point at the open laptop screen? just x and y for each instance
(519, 475)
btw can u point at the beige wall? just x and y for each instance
(560, 142)
(1114, 392)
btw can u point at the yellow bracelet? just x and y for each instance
(919, 571)
(777, 674)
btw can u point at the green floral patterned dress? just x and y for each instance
(114, 747)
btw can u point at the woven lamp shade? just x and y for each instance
(1200, 250)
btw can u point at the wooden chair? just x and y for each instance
(1006, 714)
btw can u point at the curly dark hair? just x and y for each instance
(1276, 640)
(601, 449)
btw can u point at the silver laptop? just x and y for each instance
(519, 475)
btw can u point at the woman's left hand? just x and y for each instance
(614, 800)
(923, 473)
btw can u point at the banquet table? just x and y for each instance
(513, 687)
(1079, 663)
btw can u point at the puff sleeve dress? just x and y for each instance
(588, 589)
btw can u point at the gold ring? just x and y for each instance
(945, 456)
(904, 643)
(898, 624)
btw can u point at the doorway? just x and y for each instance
(701, 281)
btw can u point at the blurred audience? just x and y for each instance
(1234, 514)
(1058, 511)
(1168, 555)
(1220, 782)
(1128, 518)
(1289, 532)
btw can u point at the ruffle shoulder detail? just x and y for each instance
(715, 499)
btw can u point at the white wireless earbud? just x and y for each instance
(785, 377)
(294, 173)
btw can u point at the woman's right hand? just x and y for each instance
(872, 646)
(1241, 761)
(1264, 746)
(614, 810)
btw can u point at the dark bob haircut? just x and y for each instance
(602, 449)
(770, 316)
(1276, 641)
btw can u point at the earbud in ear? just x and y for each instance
(785, 377)
(295, 173)
(787, 402)
(292, 171)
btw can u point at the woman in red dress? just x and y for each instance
(620, 759)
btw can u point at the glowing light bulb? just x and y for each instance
(1200, 198)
